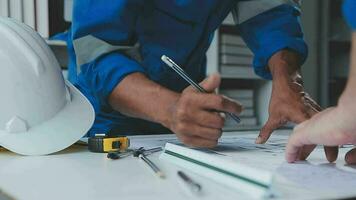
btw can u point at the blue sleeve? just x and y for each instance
(113, 23)
(349, 10)
(272, 31)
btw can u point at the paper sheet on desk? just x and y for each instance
(326, 177)
(316, 174)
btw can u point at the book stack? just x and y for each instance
(45, 16)
(248, 115)
(235, 58)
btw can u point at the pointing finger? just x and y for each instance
(267, 130)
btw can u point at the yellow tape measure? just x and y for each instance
(104, 144)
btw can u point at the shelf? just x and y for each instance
(233, 72)
(233, 76)
(242, 128)
(56, 43)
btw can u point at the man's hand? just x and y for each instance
(190, 114)
(289, 102)
(194, 118)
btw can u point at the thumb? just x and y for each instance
(211, 83)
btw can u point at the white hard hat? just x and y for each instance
(40, 113)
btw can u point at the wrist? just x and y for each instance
(280, 73)
(284, 66)
(164, 113)
(283, 79)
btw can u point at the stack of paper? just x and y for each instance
(254, 182)
(235, 57)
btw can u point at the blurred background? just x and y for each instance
(325, 71)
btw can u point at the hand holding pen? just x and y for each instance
(196, 116)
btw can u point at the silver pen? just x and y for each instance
(152, 166)
(185, 76)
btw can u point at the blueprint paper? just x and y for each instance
(315, 175)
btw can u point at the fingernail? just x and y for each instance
(290, 159)
(259, 140)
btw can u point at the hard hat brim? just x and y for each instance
(56, 134)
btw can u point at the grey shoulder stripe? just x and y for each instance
(248, 9)
(89, 48)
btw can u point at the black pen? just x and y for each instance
(193, 186)
(185, 76)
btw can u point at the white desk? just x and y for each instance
(78, 174)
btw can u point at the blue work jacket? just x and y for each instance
(114, 38)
